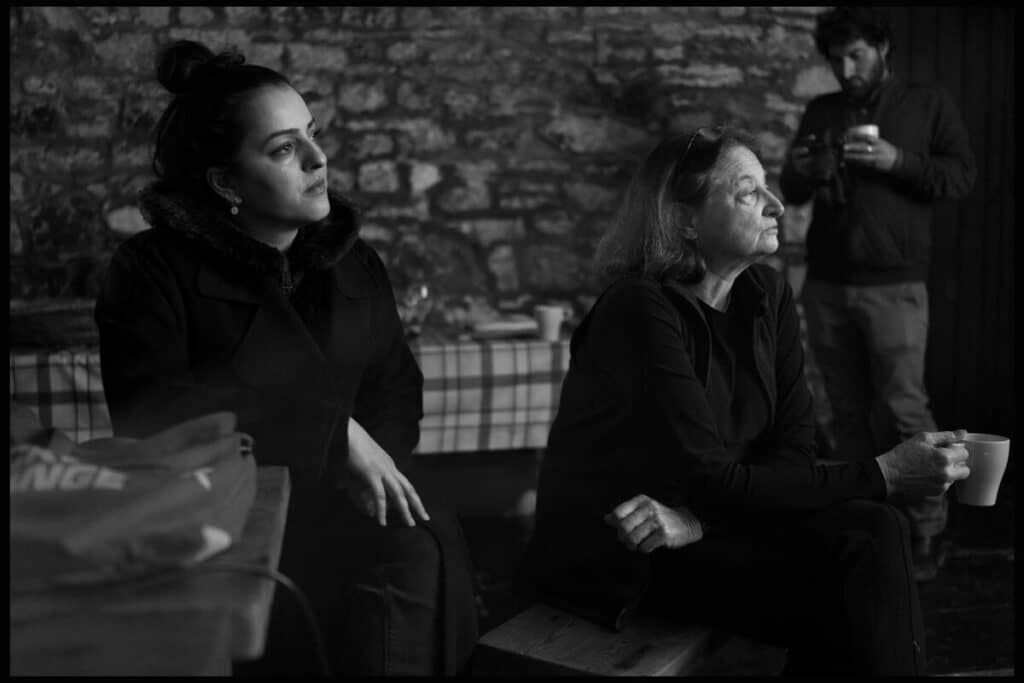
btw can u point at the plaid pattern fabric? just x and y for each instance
(477, 396)
(64, 388)
(489, 395)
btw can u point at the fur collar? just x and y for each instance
(317, 246)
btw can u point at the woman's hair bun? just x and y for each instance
(186, 65)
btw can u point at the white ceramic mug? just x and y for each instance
(549, 321)
(866, 129)
(987, 455)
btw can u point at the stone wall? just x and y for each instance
(488, 145)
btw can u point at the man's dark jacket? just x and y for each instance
(633, 418)
(876, 228)
(196, 317)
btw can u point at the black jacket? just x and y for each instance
(634, 418)
(196, 317)
(871, 227)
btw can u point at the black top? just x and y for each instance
(646, 408)
(875, 228)
(732, 389)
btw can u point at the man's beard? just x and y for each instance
(867, 86)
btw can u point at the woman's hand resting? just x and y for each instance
(644, 524)
(371, 480)
(926, 464)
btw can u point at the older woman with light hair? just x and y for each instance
(680, 474)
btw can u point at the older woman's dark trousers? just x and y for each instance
(376, 593)
(835, 587)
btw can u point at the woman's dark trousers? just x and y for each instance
(835, 587)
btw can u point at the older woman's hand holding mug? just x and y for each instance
(926, 464)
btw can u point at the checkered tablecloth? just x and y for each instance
(477, 395)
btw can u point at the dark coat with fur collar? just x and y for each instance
(197, 317)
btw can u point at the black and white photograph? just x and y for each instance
(512, 341)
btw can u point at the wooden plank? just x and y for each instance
(564, 643)
(244, 599)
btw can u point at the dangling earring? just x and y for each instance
(234, 207)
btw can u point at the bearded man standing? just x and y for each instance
(875, 157)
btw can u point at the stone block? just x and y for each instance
(423, 176)
(557, 223)
(707, 75)
(90, 86)
(370, 18)
(587, 134)
(725, 32)
(242, 16)
(304, 56)
(128, 155)
(376, 234)
(487, 231)
(361, 97)
(780, 42)
(340, 180)
(132, 52)
(462, 103)
(582, 36)
(544, 15)
(17, 241)
(472, 197)
(414, 97)
(403, 52)
(732, 12)
(76, 160)
(418, 210)
(669, 54)
(813, 81)
(33, 120)
(101, 127)
(372, 145)
(217, 39)
(270, 55)
(529, 202)
(379, 176)
(673, 32)
(590, 197)
(417, 18)
(40, 85)
(196, 16)
(422, 135)
(126, 221)
(17, 187)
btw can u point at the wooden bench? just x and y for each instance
(543, 640)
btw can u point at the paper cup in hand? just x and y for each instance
(549, 321)
(987, 455)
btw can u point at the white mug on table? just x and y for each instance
(549, 321)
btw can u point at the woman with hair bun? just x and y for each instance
(253, 293)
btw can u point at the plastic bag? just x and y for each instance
(121, 508)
